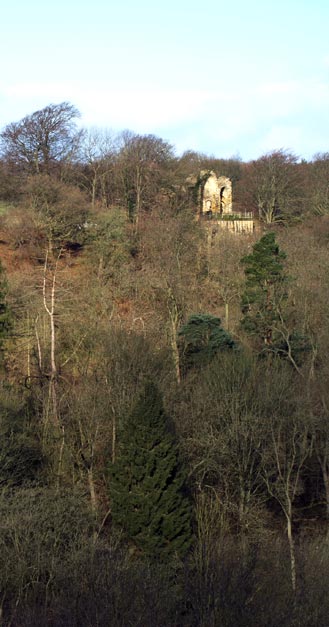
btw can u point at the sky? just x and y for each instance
(226, 79)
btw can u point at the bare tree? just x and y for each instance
(43, 139)
(97, 152)
(224, 435)
(273, 186)
(176, 240)
(58, 209)
(319, 182)
(141, 162)
(283, 462)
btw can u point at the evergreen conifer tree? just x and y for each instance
(147, 482)
(266, 313)
(265, 291)
(201, 338)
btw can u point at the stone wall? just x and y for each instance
(216, 194)
(236, 226)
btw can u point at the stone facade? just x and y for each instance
(216, 194)
(242, 226)
(215, 205)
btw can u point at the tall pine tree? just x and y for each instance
(147, 482)
(265, 291)
(267, 316)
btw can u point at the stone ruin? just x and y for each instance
(215, 204)
(215, 194)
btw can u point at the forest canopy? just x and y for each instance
(164, 450)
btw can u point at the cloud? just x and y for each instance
(144, 109)
(249, 118)
(109, 105)
(264, 117)
(284, 98)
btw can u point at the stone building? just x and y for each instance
(215, 205)
(215, 194)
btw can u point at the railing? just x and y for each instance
(237, 215)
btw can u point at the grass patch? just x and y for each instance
(4, 208)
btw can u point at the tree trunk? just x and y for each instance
(51, 313)
(50, 309)
(174, 321)
(325, 477)
(60, 458)
(227, 316)
(138, 198)
(291, 548)
(92, 489)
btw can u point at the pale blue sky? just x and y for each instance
(224, 78)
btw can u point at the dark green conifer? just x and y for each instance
(147, 482)
(200, 339)
(267, 316)
(265, 291)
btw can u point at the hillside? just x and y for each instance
(164, 399)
